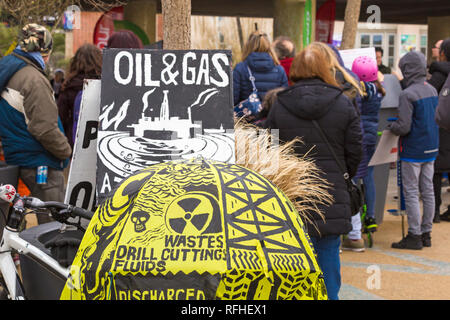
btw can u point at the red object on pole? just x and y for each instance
(325, 21)
(105, 26)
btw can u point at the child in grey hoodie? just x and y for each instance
(418, 148)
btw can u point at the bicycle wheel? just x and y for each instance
(369, 239)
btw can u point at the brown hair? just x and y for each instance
(125, 39)
(312, 62)
(270, 98)
(259, 42)
(87, 61)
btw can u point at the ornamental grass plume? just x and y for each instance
(296, 176)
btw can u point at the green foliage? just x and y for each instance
(57, 58)
(7, 36)
(59, 42)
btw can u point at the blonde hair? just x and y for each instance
(331, 55)
(259, 42)
(312, 62)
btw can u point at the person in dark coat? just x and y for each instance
(85, 64)
(349, 82)
(442, 115)
(381, 67)
(284, 47)
(57, 82)
(316, 95)
(440, 71)
(263, 63)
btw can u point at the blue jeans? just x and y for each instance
(369, 192)
(327, 249)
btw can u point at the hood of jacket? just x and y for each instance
(440, 66)
(413, 67)
(309, 99)
(260, 62)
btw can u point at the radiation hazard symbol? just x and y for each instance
(191, 213)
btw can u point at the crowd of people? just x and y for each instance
(336, 113)
(308, 94)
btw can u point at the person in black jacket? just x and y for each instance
(440, 71)
(315, 95)
(85, 64)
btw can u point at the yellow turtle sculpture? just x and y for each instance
(195, 229)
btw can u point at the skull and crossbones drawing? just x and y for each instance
(140, 218)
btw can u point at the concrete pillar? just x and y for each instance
(438, 28)
(143, 14)
(69, 45)
(288, 20)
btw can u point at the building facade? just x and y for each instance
(394, 39)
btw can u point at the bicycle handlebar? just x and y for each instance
(36, 203)
(8, 193)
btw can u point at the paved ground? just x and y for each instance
(385, 273)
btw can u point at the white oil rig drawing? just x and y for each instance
(165, 127)
(158, 139)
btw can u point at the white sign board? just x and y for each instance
(348, 56)
(393, 90)
(80, 189)
(387, 149)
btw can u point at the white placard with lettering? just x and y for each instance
(80, 189)
(387, 149)
(348, 56)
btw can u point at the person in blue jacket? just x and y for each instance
(259, 57)
(418, 148)
(31, 132)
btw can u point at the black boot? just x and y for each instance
(437, 217)
(446, 215)
(426, 239)
(411, 241)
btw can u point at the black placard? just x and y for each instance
(161, 105)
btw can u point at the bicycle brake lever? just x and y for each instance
(60, 215)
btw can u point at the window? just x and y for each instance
(391, 50)
(408, 43)
(423, 44)
(371, 40)
(365, 41)
(377, 40)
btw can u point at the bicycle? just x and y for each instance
(11, 284)
(367, 228)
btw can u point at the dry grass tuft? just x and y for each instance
(297, 177)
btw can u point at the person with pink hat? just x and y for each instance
(366, 69)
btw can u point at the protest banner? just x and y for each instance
(162, 105)
(393, 90)
(387, 149)
(348, 56)
(80, 189)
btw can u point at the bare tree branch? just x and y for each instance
(26, 11)
(101, 5)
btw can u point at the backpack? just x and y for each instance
(442, 116)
